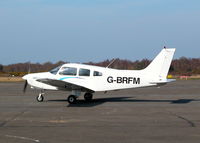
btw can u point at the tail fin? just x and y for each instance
(159, 67)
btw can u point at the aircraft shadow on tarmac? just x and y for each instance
(98, 101)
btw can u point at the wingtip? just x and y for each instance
(172, 49)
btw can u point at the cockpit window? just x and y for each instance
(84, 72)
(55, 70)
(68, 71)
(96, 73)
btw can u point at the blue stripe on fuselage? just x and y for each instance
(63, 78)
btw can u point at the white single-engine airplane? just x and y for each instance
(89, 79)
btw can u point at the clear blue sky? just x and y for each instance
(96, 30)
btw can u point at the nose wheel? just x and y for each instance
(40, 97)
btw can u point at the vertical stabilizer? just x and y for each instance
(159, 67)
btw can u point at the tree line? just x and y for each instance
(181, 66)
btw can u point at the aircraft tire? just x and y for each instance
(71, 99)
(88, 96)
(40, 98)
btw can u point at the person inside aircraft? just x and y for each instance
(84, 72)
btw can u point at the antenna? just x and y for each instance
(111, 63)
(29, 67)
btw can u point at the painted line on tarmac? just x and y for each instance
(23, 138)
(192, 124)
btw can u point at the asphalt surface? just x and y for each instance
(150, 115)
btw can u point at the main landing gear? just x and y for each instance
(72, 99)
(88, 97)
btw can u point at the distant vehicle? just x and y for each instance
(89, 79)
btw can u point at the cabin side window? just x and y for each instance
(68, 71)
(96, 73)
(84, 72)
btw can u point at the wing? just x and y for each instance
(63, 85)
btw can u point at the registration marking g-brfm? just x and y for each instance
(123, 80)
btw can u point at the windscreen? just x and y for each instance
(55, 70)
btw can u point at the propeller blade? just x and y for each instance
(25, 86)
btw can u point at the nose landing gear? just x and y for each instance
(40, 97)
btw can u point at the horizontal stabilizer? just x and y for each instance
(163, 81)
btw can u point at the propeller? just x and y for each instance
(25, 77)
(25, 86)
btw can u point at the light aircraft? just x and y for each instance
(88, 79)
